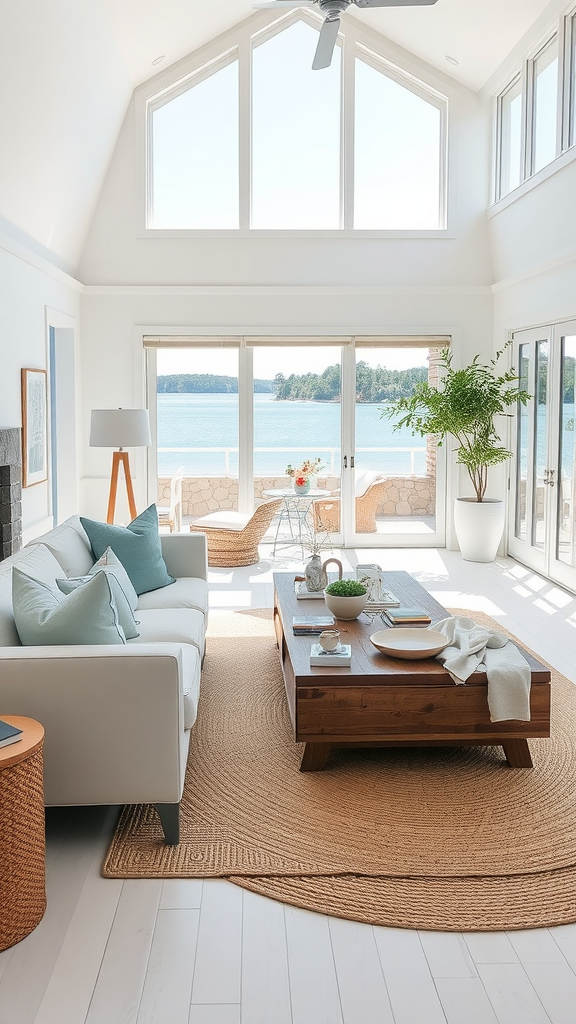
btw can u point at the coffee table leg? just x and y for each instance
(314, 757)
(517, 753)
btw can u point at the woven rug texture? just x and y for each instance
(446, 838)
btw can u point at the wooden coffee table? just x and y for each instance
(383, 701)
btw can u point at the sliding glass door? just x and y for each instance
(249, 419)
(542, 532)
(398, 477)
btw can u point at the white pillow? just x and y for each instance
(44, 617)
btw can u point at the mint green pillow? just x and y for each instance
(136, 545)
(125, 613)
(113, 565)
(44, 617)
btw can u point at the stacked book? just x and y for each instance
(9, 734)
(312, 625)
(406, 617)
(342, 655)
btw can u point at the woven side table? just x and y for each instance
(22, 834)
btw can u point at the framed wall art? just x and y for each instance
(34, 427)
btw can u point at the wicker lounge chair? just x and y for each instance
(326, 511)
(233, 537)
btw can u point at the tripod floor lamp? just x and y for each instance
(120, 428)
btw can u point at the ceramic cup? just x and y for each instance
(329, 640)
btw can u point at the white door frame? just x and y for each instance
(542, 559)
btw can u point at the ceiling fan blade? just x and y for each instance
(326, 44)
(284, 3)
(394, 3)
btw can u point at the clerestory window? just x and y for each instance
(257, 140)
(536, 112)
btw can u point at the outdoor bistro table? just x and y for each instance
(295, 510)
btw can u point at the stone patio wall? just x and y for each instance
(404, 496)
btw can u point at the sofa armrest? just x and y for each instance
(113, 718)
(185, 554)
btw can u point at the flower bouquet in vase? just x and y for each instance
(302, 475)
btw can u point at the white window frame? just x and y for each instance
(564, 30)
(569, 104)
(531, 105)
(518, 77)
(166, 96)
(238, 44)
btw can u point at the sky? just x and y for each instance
(281, 359)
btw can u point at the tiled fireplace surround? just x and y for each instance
(10, 491)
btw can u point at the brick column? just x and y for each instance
(10, 491)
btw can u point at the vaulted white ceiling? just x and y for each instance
(67, 69)
(477, 33)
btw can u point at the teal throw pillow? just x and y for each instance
(136, 545)
(125, 613)
(45, 617)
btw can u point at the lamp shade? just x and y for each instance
(120, 428)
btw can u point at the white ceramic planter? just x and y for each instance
(479, 526)
(345, 607)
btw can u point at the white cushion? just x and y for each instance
(226, 520)
(170, 625)
(363, 480)
(37, 562)
(190, 683)
(186, 592)
(70, 545)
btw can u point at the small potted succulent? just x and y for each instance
(346, 598)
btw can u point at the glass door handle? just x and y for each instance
(345, 462)
(351, 462)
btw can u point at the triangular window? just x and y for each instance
(256, 140)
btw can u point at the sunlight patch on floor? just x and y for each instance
(230, 598)
(544, 606)
(469, 602)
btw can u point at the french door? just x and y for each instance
(543, 490)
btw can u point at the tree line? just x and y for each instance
(373, 384)
(206, 384)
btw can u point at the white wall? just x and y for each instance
(276, 284)
(533, 238)
(64, 90)
(116, 254)
(29, 289)
(536, 225)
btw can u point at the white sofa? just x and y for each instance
(117, 718)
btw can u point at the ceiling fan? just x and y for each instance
(332, 9)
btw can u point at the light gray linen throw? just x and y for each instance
(475, 648)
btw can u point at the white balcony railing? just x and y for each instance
(333, 455)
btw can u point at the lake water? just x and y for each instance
(211, 421)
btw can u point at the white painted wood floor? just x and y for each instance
(193, 952)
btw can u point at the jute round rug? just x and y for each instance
(441, 838)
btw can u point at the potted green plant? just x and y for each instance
(346, 598)
(465, 405)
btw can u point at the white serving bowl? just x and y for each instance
(345, 607)
(409, 643)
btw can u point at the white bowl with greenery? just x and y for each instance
(346, 598)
